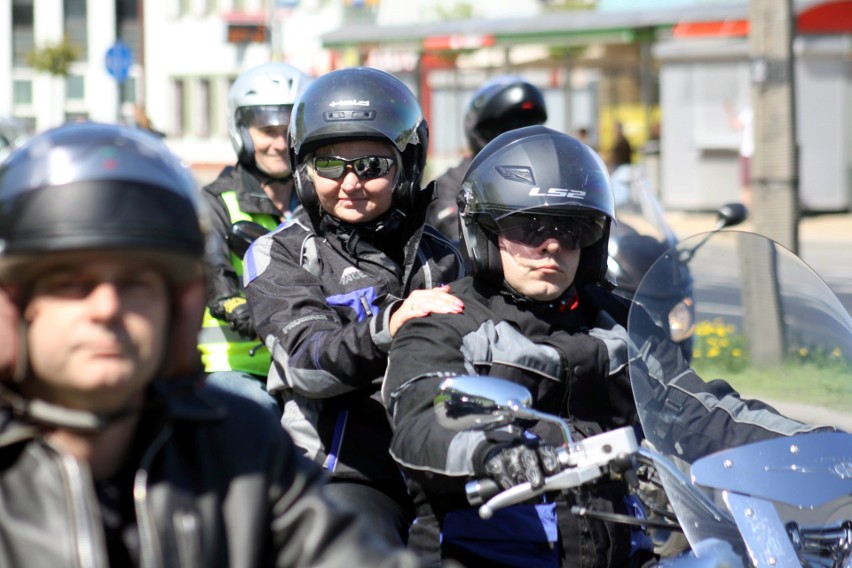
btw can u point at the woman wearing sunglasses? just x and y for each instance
(330, 289)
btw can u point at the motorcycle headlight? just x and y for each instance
(682, 320)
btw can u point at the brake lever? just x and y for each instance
(582, 462)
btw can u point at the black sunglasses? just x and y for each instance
(533, 230)
(365, 167)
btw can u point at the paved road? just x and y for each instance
(825, 243)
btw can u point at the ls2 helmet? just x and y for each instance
(96, 187)
(262, 96)
(359, 103)
(500, 105)
(536, 171)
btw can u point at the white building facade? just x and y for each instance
(184, 56)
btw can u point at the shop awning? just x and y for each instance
(585, 27)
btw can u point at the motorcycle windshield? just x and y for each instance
(770, 328)
(636, 205)
(639, 236)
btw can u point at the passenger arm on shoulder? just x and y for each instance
(314, 352)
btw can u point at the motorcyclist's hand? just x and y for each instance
(521, 462)
(421, 303)
(238, 316)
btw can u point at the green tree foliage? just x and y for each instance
(54, 58)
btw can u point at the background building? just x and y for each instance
(666, 69)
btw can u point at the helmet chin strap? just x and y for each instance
(53, 415)
(568, 296)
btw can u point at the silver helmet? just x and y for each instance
(262, 96)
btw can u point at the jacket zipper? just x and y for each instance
(366, 305)
(188, 536)
(81, 499)
(149, 546)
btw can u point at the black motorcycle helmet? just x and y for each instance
(536, 170)
(502, 104)
(358, 103)
(95, 186)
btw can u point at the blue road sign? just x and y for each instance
(118, 60)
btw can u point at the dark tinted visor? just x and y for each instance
(262, 116)
(534, 229)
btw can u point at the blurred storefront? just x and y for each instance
(666, 73)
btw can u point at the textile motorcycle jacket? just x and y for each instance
(199, 495)
(572, 355)
(321, 301)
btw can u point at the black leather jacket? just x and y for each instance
(201, 496)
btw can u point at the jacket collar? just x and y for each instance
(182, 399)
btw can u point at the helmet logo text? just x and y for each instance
(350, 102)
(558, 192)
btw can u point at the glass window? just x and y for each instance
(128, 90)
(205, 104)
(127, 25)
(179, 102)
(77, 116)
(75, 25)
(75, 87)
(23, 92)
(23, 37)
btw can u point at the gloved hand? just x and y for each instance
(520, 462)
(236, 313)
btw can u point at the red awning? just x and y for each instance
(827, 18)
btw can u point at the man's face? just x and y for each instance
(270, 149)
(543, 272)
(97, 331)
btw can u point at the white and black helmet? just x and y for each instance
(262, 96)
(359, 103)
(536, 171)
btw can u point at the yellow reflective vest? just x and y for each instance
(223, 349)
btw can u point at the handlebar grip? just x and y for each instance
(479, 491)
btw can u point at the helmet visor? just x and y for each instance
(263, 116)
(534, 228)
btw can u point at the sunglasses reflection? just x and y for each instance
(365, 167)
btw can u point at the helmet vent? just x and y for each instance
(350, 115)
(522, 174)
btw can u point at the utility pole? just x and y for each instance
(774, 170)
(774, 174)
